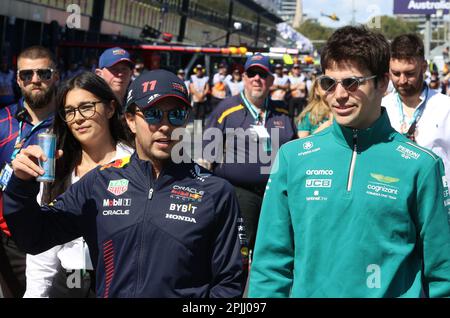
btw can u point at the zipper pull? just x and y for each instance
(150, 194)
(355, 139)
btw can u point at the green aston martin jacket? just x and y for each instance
(354, 213)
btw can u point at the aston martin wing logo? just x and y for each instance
(384, 179)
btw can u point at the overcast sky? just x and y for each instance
(364, 10)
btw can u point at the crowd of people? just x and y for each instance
(317, 185)
(290, 86)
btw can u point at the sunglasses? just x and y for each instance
(351, 84)
(44, 74)
(177, 117)
(252, 73)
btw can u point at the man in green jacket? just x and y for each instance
(357, 210)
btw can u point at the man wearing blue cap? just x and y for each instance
(247, 157)
(154, 228)
(116, 68)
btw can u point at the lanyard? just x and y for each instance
(258, 120)
(19, 141)
(417, 113)
(254, 110)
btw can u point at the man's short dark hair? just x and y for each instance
(38, 52)
(358, 44)
(407, 46)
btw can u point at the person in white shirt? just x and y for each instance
(299, 94)
(420, 113)
(280, 84)
(235, 85)
(199, 88)
(88, 127)
(218, 90)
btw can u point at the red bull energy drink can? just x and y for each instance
(47, 141)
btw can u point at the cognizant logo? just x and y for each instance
(378, 188)
(319, 172)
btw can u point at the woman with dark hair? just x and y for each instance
(89, 128)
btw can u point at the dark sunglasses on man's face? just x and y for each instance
(44, 74)
(176, 117)
(252, 73)
(351, 84)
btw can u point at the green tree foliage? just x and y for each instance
(314, 30)
(392, 27)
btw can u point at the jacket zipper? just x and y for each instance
(352, 164)
(141, 249)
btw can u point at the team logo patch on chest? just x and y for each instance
(318, 184)
(188, 209)
(407, 153)
(186, 194)
(118, 187)
(384, 186)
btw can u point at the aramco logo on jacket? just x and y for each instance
(118, 187)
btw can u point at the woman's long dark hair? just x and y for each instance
(67, 142)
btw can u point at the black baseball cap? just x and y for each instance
(152, 86)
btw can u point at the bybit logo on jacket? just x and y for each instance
(182, 208)
(383, 188)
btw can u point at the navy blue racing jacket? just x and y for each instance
(179, 235)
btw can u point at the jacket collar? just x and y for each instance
(380, 131)
(21, 112)
(170, 170)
